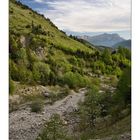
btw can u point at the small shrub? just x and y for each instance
(115, 112)
(25, 75)
(37, 29)
(37, 106)
(90, 110)
(11, 11)
(113, 80)
(117, 72)
(13, 70)
(74, 80)
(95, 82)
(41, 72)
(54, 130)
(28, 26)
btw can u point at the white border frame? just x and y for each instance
(135, 70)
(4, 128)
(4, 135)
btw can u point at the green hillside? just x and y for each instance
(40, 52)
(21, 21)
(36, 40)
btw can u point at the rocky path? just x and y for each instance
(26, 125)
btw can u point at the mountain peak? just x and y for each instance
(104, 39)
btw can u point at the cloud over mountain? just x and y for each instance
(88, 15)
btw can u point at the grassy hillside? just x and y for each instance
(34, 39)
(42, 54)
(22, 18)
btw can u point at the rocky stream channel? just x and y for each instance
(26, 125)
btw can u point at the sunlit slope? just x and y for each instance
(21, 18)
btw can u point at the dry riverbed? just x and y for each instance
(26, 125)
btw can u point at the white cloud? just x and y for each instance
(39, 1)
(89, 15)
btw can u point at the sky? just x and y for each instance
(87, 17)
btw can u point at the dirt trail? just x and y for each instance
(26, 125)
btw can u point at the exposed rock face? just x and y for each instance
(26, 125)
(23, 41)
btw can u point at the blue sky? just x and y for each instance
(87, 17)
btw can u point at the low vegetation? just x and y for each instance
(102, 110)
(54, 129)
(36, 106)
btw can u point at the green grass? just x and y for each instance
(103, 130)
(22, 17)
(120, 127)
(56, 50)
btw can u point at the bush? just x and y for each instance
(99, 66)
(22, 57)
(73, 60)
(105, 102)
(106, 56)
(13, 46)
(54, 129)
(11, 11)
(24, 75)
(36, 106)
(124, 52)
(19, 72)
(117, 71)
(60, 66)
(13, 70)
(28, 26)
(38, 30)
(115, 112)
(90, 109)
(113, 80)
(41, 72)
(74, 80)
(36, 42)
(124, 87)
(95, 81)
(31, 58)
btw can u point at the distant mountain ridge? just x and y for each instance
(126, 44)
(103, 39)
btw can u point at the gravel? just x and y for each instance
(26, 125)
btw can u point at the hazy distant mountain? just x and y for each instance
(126, 44)
(104, 39)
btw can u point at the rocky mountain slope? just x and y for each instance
(126, 44)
